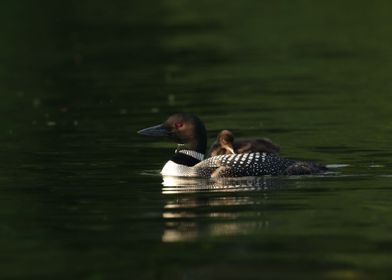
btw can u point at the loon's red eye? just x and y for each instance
(178, 125)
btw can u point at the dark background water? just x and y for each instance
(80, 193)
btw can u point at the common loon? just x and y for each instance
(226, 144)
(189, 133)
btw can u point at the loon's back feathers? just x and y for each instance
(250, 164)
(254, 164)
(189, 133)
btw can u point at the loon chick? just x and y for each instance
(189, 133)
(226, 144)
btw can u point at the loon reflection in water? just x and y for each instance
(186, 201)
(189, 133)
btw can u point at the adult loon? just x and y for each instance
(226, 144)
(189, 133)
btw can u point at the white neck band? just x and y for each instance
(191, 153)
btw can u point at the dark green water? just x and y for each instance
(81, 197)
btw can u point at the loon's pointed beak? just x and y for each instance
(157, 130)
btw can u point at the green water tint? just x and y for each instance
(81, 193)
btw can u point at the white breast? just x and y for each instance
(174, 169)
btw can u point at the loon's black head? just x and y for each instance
(184, 129)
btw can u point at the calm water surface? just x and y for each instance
(81, 195)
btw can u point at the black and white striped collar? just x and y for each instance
(194, 154)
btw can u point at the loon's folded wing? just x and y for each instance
(252, 164)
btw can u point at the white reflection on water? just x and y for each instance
(191, 231)
(191, 213)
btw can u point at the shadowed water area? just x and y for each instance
(81, 195)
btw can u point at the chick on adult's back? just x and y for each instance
(226, 144)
